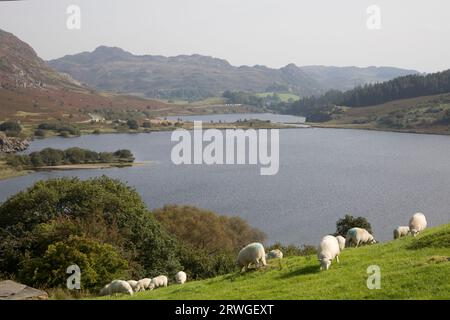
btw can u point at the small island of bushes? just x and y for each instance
(50, 157)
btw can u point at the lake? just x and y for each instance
(323, 175)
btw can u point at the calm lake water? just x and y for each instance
(324, 174)
(233, 117)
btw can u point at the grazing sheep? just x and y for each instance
(358, 236)
(328, 250)
(401, 232)
(181, 277)
(417, 224)
(143, 284)
(274, 254)
(252, 253)
(341, 241)
(116, 286)
(133, 284)
(159, 281)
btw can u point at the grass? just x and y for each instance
(417, 115)
(411, 268)
(283, 96)
(7, 172)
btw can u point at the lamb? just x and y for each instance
(417, 224)
(274, 254)
(341, 241)
(358, 236)
(251, 254)
(328, 250)
(116, 286)
(181, 277)
(143, 284)
(159, 281)
(401, 232)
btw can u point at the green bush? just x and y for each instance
(133, 124)
(11, 126)
(348, 222)
(39, 133)
(101, 209)
(99, 264)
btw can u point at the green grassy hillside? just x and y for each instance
(411, 268)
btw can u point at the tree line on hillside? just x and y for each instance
(251, 99)
(75, 155)
(320, 108)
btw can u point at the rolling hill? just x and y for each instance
(411, 268)
(30, 90)
(196, 76)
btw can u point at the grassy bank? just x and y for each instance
(411, 268)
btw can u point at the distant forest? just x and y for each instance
(318, 109)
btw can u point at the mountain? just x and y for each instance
(20, 67)
(33, 91)
(196, 76)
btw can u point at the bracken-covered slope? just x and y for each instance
(197, 76)
(411, 268)
(31, 90)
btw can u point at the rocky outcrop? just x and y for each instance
(12, 144)
(10, 290)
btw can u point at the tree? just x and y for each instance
(12, 126)
(132, 124)
(147, 124)
(348, 222)
(206, 230)
(100, 264)
(101, 209)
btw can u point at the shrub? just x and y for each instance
(206, 230)
(99, 264)
(348, 222)
(10, 126)
(103, 210)
(293, 250)
(146, 125)
(39, 133)
(210, 242)
(132, 124)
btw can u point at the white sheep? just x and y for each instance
(358, 236)
(181, 277)
(116, 286)
(401, 232)
(159, 281)
(274, 254)
(418, 223)
(143, 284)
(133, 284)
(328, 250)
(341, 241)
(251, 254)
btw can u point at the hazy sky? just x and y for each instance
(414, 33)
